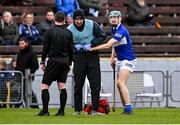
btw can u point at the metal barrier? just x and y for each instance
(11, 87)
(174, 86)
(135, 85)
(34, 85)
(147, 86)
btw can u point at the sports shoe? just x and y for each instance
(127, 113)
(60, 113)
(42, 113)
(77, 113)
(93, 113)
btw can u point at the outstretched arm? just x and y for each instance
(107, 45)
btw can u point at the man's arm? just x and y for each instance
(46, 46)
(16, 37)
(34, 63)
(107, 45)
(71, 49)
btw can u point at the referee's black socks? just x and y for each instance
(63, 99)
(45, 99)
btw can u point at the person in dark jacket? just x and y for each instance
(90, 7)
(57, 45)
(86, 34)
(48, 23)
(138, 14)
(26, 59)
(8, 30)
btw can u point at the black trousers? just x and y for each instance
(86, 64)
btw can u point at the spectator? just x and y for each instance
(57, 45)
(12, 65)
(29, 31)
(69, 20)
(27, 59)
(138, 14)
(8, 30)
(90, 7)
(67, 6)
(48, 23)
(86, 33)
(126, 59)
(3, 82)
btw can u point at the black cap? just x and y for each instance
(78, 13)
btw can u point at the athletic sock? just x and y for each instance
(124, 108)
(45, 99)
(63, 99)
(128, 108)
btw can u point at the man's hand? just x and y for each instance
(87, 47)
(78, 46)
(91, 49)
(113, 63)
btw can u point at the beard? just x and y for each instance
(80, 28)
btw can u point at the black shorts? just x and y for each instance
(55, 71)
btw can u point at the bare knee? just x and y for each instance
(120, 84)
(61, 85)
(44, 86)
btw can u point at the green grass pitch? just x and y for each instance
(140, 116)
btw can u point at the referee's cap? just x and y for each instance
(115, 13)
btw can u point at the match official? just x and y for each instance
(57, 45)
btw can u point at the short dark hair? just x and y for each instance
(49, 10)
(24, 39)
(59, 16)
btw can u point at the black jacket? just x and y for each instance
(58, 42)
(9, 31)
(45, 26)
(27, 59)
(136, 12)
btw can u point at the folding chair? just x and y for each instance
(148, 83)
(87, 92)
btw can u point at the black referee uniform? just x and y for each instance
(57, 45)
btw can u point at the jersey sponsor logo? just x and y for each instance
(118, 35)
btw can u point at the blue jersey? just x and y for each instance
(123, 48)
